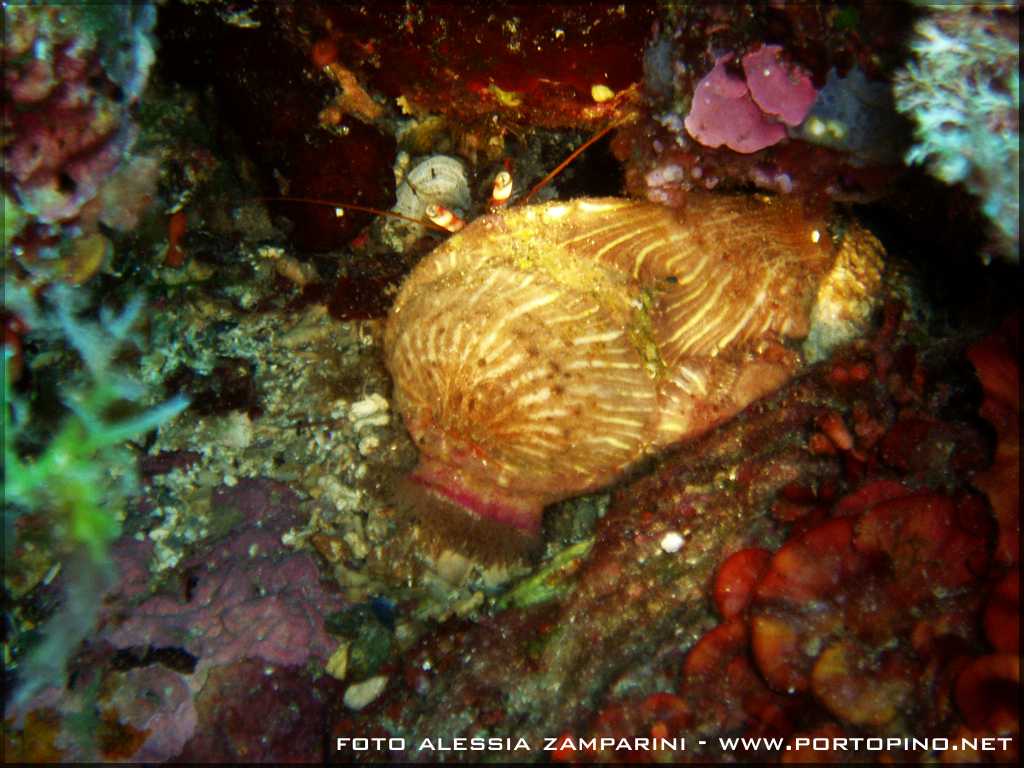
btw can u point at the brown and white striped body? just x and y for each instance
(541, 351)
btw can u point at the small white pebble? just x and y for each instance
(380, 420)
(672, 542)
(368, 444)
(368, 406)
(361, 694)
(290, 537)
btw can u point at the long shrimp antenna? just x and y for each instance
(354, 207)
(561, 166)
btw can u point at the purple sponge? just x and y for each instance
(780, 90)
(742, 114)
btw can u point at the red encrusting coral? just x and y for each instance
(874, 612)
(996, 359)
(736, 579)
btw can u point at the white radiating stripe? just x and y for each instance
(643, 255)
(539, 454)
(535, 426)
(742, 322)
(631, 423)
(609, 440)
(550, 413)
(527, 306)
(590, 234)
(628, 236)
(535, 397)
(693, 379)
(473, 299)
(602, 365)
(485, 344)
(583, 315)
(525, 378)
(604, 205)
(705, 306)
(635, 404)
(507, 364)
(691, 274)
(597, 337)
(711, 327)
(456, 347)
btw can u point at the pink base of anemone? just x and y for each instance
(487, 504)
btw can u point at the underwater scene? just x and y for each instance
(511, 382)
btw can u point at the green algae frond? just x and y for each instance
(550, 582)
(76, 486)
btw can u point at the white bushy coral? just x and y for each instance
(962, 89)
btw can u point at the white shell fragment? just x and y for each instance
(433, 180)
(672, 542)
(361, 694)
(371, 411)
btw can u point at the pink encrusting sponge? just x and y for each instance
(782, 90)
(749, 115)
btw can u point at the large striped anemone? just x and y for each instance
(543, 350)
